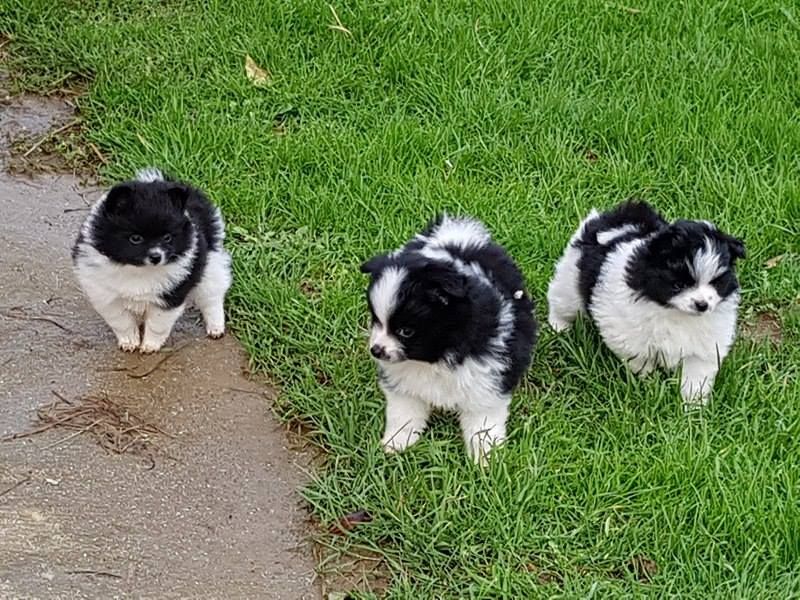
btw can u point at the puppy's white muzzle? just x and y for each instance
(384, 346)
(698, 300)
(156, 256)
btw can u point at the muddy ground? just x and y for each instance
(203, 504)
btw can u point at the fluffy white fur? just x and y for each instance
(127, 297)
(644, 334)
(563, 297)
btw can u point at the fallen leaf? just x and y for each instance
(349, 521)
(774, 261)
(258, 77)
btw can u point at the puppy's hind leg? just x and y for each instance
(209, 296)
(563, 298)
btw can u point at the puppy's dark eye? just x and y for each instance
(167, 238)
(405, 332)
(677, 286)
(136, 239)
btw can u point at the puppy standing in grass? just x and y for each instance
(452, 328)
(148, 248)
(661, 294)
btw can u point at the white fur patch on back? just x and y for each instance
(460, 232)
(609, 235)
(383, 295)
(149, 175)
(705, 266)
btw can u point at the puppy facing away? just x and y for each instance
(452, 328)
(661, 294)
(148, 248)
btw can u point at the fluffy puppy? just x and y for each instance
(452, 328)
(148, 248)
(661, 294)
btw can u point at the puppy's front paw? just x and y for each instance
(641, 366)
(397, 441)
(215, 333)
(695, 395)
(150, 346)
(695, 403)
(693, 407)
(558, 325)
(481, 448)
(128, 343)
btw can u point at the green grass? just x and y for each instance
(524, 114)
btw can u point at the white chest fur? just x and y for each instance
(472, 385)
(134, 286)
(636, 328)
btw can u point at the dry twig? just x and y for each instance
(98, 154)
(115, 427)
(93, 572)
(50, 134)
(15, 485)
(36, 318)
(159, 363)
(338, 26)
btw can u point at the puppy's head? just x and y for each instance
(420, 308)
(688, 266)
(143, 223)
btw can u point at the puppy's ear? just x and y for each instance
(374, 265)
(178, 195)
(735, 245)
(118, 199)
(443, 283)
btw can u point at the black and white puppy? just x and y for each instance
(149, 247)
(452, 328)
(661, 294)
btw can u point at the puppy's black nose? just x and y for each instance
(377, 351)
(154, 257)
(701, 305)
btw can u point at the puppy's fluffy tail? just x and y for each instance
(149, 175)
(579, 233)
(456, 231)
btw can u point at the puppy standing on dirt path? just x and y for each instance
(147, 248)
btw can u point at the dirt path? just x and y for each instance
(211, 512)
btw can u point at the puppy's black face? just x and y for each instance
(689, 266)
(143, 224)
(420, 308)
